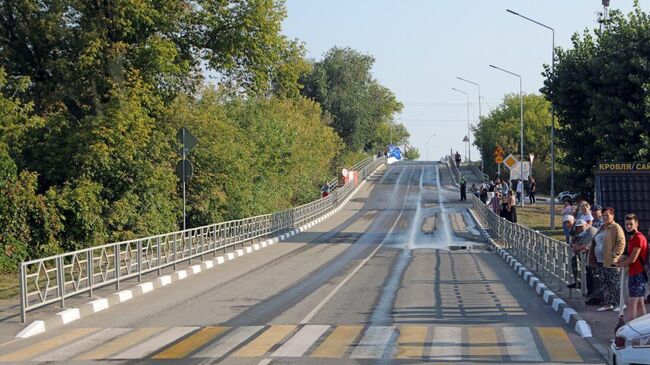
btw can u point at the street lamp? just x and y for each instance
(479, 114)
(468, 156)
(521, 132)
(433, 135)
(392, 124)
(552, 117)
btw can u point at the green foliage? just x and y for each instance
(502, 127)
(411, 153)
(76, 51)
(601, 94)
(95, 92)
(254, 156)
(361, 109)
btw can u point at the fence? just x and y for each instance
(55, 278)
(548, 257)
(455, 174)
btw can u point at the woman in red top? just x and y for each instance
(637, 251)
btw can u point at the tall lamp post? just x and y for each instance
(392, 125)
(552, 116)
(479, 115)
(468, 157)
(521, 132)
(433, 135)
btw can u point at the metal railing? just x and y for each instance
(546, 256)
(455, 174)
(55, 278)
(477, 171)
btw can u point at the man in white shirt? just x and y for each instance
(520, 189)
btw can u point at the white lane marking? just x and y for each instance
(520, 344)
(373, 343)
(265, 362)
(229, 342)
(447, 344)
(350, 275)
(297, 345)
(155, 343)
(78, 347)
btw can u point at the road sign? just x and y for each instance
(515, 171)
(498, 160)
(510, 161)
(498, 151)
(189, 169)
(187, 140)
(465, 139)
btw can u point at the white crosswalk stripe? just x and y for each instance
(301, 341)
(88, 343)
(155, 343)
(408, 342)
(374, 342)
(520, 344)
(229, 342)
(447, 344)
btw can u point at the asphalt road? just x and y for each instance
(398, 276)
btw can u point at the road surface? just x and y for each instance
(397, 276)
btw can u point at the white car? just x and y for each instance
(567, 196)
(632, 343)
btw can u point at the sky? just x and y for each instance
(421, 47)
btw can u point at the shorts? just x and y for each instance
(636, 285)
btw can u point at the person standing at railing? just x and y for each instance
(567, 224)
(325, 190)
(520, 190)
(597, 213)
(606, 250)
(581, 242)
(512, 207)
(637, 252)
(585, 213)
(490, 191)
(457, 159)
(495, 203)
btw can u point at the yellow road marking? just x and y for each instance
(410, 344)
(259, 346)
(119, 344)
(337, 342)
(483, 342)
(47, 345)
(191, 343)
(557, 344)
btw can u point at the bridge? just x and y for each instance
(397, 271)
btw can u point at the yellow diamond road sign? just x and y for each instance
(510, 161)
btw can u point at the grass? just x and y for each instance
(9, 287)
(538, 217)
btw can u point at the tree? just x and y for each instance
(411, 153)
(76, 51)
(601, 94)
(502, 127)
(360, 108)
(29, 225)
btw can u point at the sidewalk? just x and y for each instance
(602, 323)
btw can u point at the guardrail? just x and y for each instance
(546, 256)
(484, 178)
(55, 278)
(455, 174)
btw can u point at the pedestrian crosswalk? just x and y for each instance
(407, 342)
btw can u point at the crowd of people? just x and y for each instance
(498, 195)
(595, 236)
